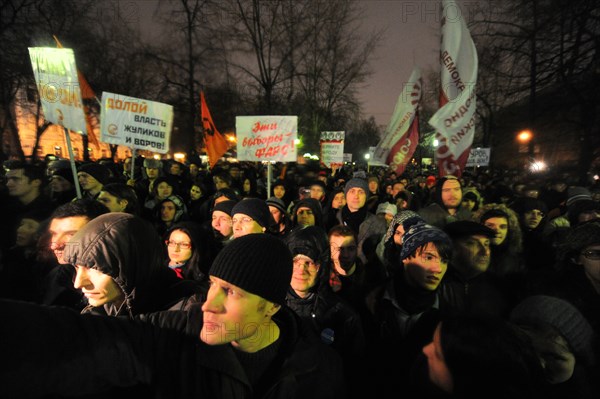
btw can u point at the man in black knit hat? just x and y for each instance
(250, 215)
(242, 343)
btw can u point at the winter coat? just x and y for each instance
(128, 249)
(83, 354)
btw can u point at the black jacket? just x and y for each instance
(83, 354)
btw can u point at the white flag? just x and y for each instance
(455, 120)
(404, 113)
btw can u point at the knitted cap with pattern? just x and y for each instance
(258, 263)
(420, 234)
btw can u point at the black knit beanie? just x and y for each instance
(256, 208)
(97, 171)
(258, 263)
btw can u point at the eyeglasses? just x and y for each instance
(184, 245)
(592, 254)
(305, 263)
(244, 219)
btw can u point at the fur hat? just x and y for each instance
(419, 235)
(97, 171)
(256, 208)
(561, 315)
(258, 263)
(152, 163)
(357, 182)
(225, 206)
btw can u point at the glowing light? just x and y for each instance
(525, 136)
(436, 142)
(179, 156)
(367, 156)
(537, 166)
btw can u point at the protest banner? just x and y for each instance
(266, 138)
(478, 157)
(58, 86)
(332, 149)
(136, 123)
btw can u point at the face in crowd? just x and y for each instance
(179, 247)
(305, 275)
(533, 218)
(305, 216)
(244, 224)
(472, 255)
(500, 225)
(112, 202)
(195, 193)
(426, 268)
(221, 223)
(344, 252)
(451, 194)
(61, 231)
(356, 199)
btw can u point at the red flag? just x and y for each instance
(216, 144)
(455, 120)
(87, 93)
(403, 150)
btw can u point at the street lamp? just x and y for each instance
(525, 136)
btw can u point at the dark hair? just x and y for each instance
(203, 253)
(444, 248)
(124, 192)
(32, 172)
(491, 357)
(170, 180)
(342, 230)
(80, 207)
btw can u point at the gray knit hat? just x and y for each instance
(419, 235)
(256, 208)
(277, 203)
(577, 193)
(563, 316)
(357, 182)
(258, 263)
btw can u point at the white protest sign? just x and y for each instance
(56, 78)
(332, 148)
(347, 157)
(136, 123)
(266, 138)
(478, 157)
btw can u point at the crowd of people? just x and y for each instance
(175, 280)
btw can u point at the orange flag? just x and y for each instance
(216, 144)
(87, 93)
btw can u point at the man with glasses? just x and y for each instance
(249, 216)
(330, 318)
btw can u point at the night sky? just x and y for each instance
(411, 38)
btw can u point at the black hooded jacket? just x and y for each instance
(128, 249)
